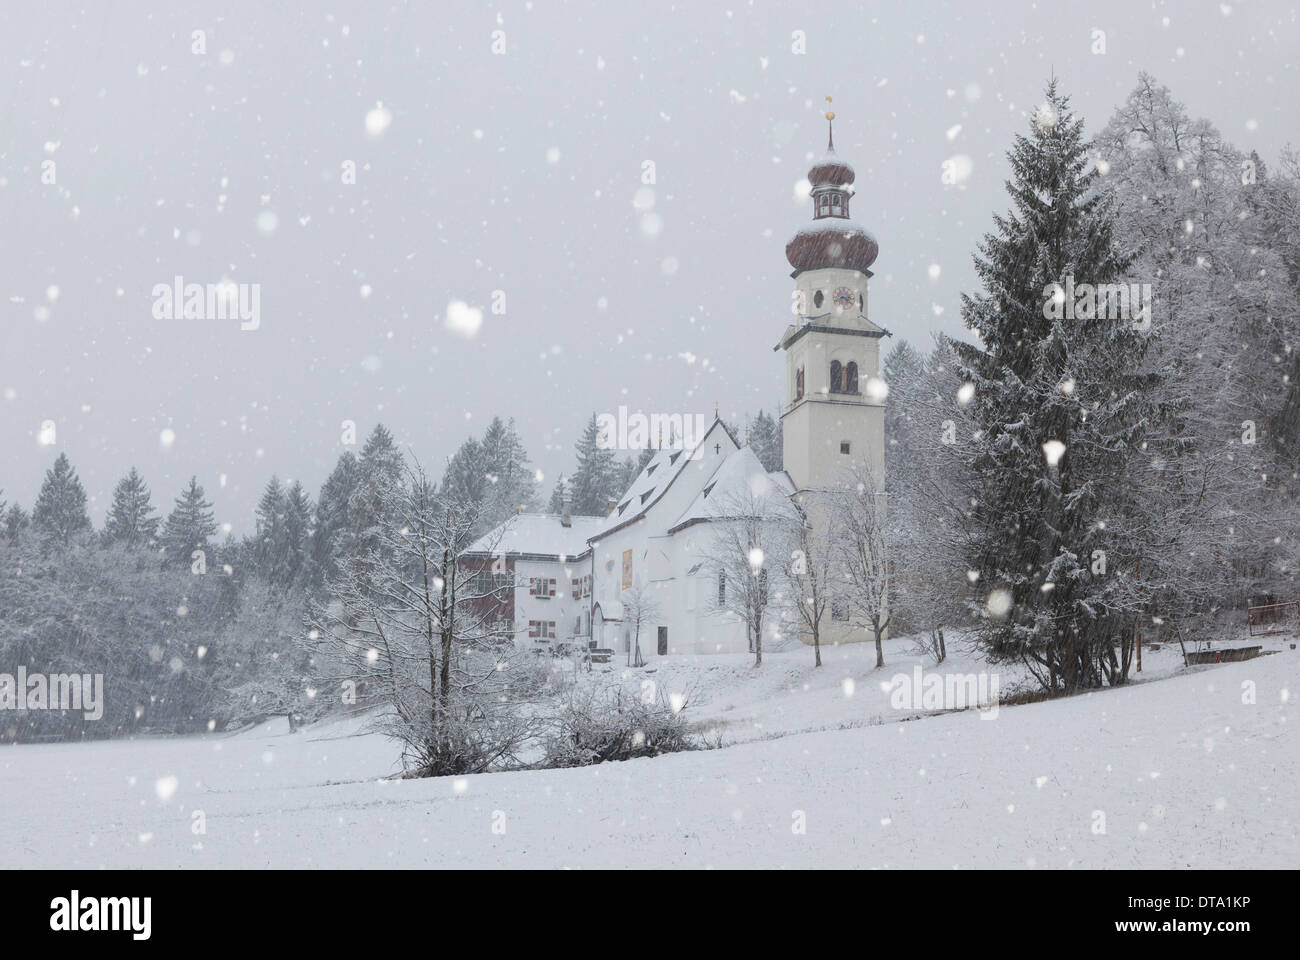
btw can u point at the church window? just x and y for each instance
(851, 377)
(837, 377)
(798, 384)
(818, 299)
(844, 446)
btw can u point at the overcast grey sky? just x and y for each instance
(516, 172)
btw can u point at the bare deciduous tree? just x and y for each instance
(404, 623)
(857, 510)
(746, 526)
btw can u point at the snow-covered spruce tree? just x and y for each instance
(332, 519)
(1064, 406)
(269, 542)
(597, 477)
(404, 625)
(16, 520)
(281, 543)
(512, 486)
(60, 510)
(765, 439)
(189, 527)
(381, 469)
(131, 519)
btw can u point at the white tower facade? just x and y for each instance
(833, 420)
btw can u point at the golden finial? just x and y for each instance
(830, 127)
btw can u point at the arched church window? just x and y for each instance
(837, 377)
(862, 303)
(798, 384)
(851, 377)
(818, 298)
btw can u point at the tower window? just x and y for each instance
(798, 384)
(851, 377)
(818, 298)
(844, 446)
(837, 377)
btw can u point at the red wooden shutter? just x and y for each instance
(576, 589)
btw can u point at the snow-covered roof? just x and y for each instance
(740, 478)
(539, 534)
(660, 470)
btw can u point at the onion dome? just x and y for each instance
(832, 239)
(832, 242)
(830, 171)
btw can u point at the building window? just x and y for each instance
(798, 384)
(844, 446)
(818, 298)
(851, 377)
(839, 609)
(837, 377)
(722, 588)
(541, 587)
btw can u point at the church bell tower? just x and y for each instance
(832, 420)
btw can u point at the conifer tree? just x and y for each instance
(190, 526)
(131, 519)
(1062, 405)
(596, 478)
(60, 510)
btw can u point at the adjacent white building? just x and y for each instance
(573, 576)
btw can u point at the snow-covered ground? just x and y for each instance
(1179, 772)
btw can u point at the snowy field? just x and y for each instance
(1184, 773)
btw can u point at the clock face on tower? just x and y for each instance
(844, 297)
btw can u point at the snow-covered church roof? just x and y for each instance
(655, 478)
(740, 479)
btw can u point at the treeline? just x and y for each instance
(193, 630)
(1076, 476)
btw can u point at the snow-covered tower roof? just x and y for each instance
(831, 240)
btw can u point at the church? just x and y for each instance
(574, 581)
